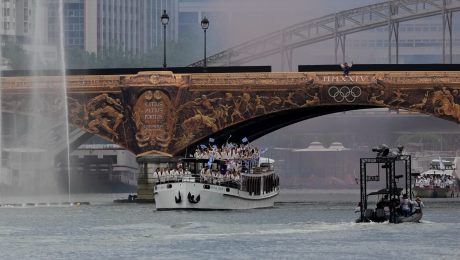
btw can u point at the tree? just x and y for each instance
(17, 57)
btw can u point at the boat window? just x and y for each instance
(190, 166)
(199, 166)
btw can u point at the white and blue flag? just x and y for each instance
(211, 159)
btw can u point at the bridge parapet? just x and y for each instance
(164, 113)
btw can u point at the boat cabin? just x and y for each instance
(442, 165)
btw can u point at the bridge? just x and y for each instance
(160, 112)
(164, 113)
(337, 27)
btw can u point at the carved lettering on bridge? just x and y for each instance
(346, 79)
(152, 118)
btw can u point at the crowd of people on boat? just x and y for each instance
(215, 177)
(234, 161)
(405, 207)
(161, 175)
(443, 181)
(227, 152)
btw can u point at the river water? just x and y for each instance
(304, 224)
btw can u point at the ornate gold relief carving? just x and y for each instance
(154, 117)
(104, 113)
(444, 104)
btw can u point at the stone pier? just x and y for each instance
(146, 182)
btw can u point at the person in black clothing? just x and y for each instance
(346, 68)
(383, 202)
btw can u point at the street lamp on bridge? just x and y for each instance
(204, 26)
(164, 21)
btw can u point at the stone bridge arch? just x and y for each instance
(164, 113)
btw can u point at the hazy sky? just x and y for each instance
(245, 20)
(251, 18)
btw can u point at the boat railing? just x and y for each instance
(220, 181)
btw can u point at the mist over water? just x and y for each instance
(63, 96)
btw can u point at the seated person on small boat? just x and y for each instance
(418, 205)
(409, 207)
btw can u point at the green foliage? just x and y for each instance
(17, 58)
(177, 54)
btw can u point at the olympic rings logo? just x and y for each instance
(344, 93)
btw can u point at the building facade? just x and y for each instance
(96, 25)
(16, 22)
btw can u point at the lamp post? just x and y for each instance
(164, 21)
(204, 26)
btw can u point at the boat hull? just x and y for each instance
(433, 192)
(416, 217)
(199, 196)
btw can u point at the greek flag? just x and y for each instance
(202, 146)
(211, 140)
(244, 140)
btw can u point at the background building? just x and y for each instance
(95, 25)
(16, 23)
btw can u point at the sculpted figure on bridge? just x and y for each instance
(399, 98)
(313, 101)
(420, 105)
(247, 108)
(290, 100)
(260, 108)
(444, 104)
(275, 103)
(104, 100)
(377, 98)
(236, 114)
(106, 113)
(106, 118)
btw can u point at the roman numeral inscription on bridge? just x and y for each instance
(345, 79)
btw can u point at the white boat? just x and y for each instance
(437, 182)
(254, 187)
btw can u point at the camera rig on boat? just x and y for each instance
(386, 159)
